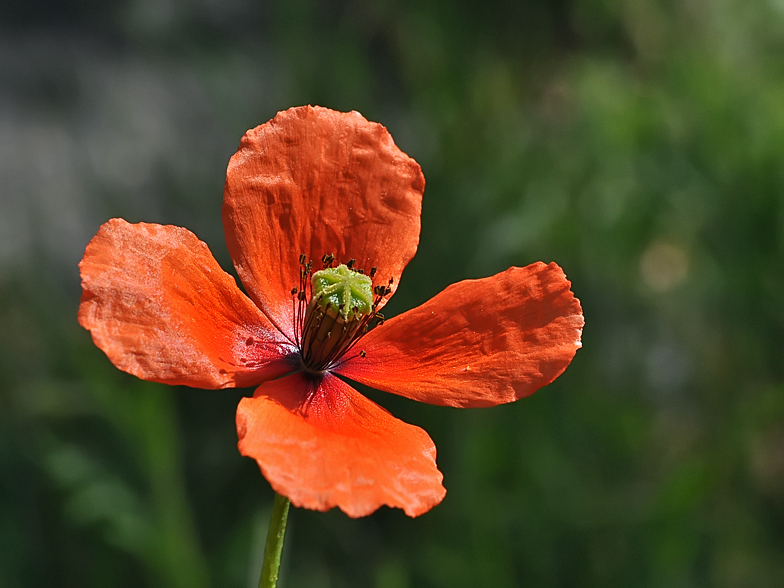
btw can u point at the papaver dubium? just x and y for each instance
(314, 189)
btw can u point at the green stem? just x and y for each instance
(274, 547)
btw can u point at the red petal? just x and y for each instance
(318, 182)
(159, 305)
(477, 343)
(322, 444)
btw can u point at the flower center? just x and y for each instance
(334, 308)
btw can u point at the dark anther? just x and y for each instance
(350, 264)
(391, 281)
(379, 290)
(380, 316)
(373, 271)
(387, 291)
(293, 291)
(301, 295)
(362, 353)
(302, 258)
(327, 260)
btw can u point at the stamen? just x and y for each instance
(333, 309)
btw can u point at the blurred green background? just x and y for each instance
(638, 143)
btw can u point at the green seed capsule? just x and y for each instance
(344, 291)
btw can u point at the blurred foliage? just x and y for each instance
(638, 143)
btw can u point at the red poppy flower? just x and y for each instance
(314, 184)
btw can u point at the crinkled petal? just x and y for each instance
(318, 182)
(477, 343)
(322, 444)
(161, 308)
